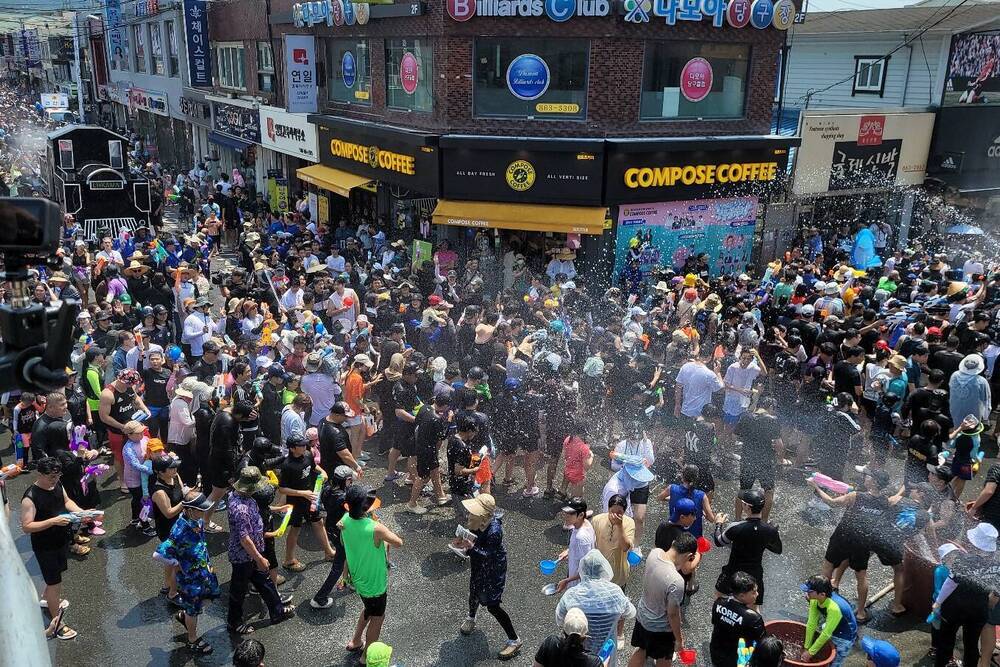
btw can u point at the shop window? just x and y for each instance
(265, 67)
(869, 75)
(231, 67)
(674, 83)
(139, 37)
(66, 154)
(531, 78)
(349, 71)
(409, 74)
(115, 160)
(173, 61)
(156, 50)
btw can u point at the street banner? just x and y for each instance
(196, 39)
(300, 73)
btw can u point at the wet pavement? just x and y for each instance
(123, 620)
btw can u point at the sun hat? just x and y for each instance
(638, 472)
(946, 549)
(972, 364)
(189, 387)
(313, 362)
(983, 537)
(482, 505)
(199, 502)
(378, 654)
(251, 481)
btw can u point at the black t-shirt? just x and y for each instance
(919, 452)
(990, 511)
(404, 397)
(699, 443)
(556, 652)
(947, 361)
(299, 474)
(459, 453)
(205, 371)
(732, 620)
(750, 539)
(333, 438)
(333, 499)
(846, 377)
(47, 505)
(431, 430)
(50, 434)
(758, 432)
(155, 382)
(224, 445)
(175, 493)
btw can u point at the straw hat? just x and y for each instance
(956, 286)
(898, 362)
(185, 269)
(59, 277)
(316, 268)
(136, 266)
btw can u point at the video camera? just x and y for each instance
(37, 340)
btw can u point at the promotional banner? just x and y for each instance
(667, 233)
(144, 100)
(34, 52)
(966, 151)
(288, 133)
(198, 54)
(55, 100)
(236, 121)
(850, 151)
(115, 30)
(973, 72)
(300, 73)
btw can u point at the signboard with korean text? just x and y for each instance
(667, 233)
(853, 151)
(55, 101)
(236, 121)
(288, 133)
(117, 36)
(521, 170)
(300, 73)
(144, 100)
(198, 52)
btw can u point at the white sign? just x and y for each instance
(861, 150)
(55, 101)
(145, 100)
(300, 77)
(288, 133)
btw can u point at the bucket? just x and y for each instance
(793, 632)
(548, 567)
(704, 546)
(633, 558)
(687, 656)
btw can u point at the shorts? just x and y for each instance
(301, 513)
(962, 469)
(52, 563)
(554, 443)
(405, 443)
(374, 606)
(723, 583)
(116, 441)
(857, 553)
(657, 645)
(639, 496)
(762, 472)
(427, 462)
(527, 445)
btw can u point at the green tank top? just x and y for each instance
(365, 560)
(287, 396)
(94, 380)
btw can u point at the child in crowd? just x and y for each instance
(137, 470)
(578, 458)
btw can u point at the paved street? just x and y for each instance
(123, 621)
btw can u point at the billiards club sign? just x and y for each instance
(760, 14)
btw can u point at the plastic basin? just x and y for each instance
(548, 567)
(793, 632)
(633, 558)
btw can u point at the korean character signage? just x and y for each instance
(115, 30)
(198, 52)
(236, 121)
(300, 73)
(760, 14)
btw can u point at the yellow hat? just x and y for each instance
(690, 280)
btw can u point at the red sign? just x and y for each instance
(337, 10)
(461, 10)
(738, 13)
(870, 130)
(300, 56)
(696, 79)
(409, 73)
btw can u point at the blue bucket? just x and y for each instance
(633, 558)
(548, 566)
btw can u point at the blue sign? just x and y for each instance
(348, 69)
(349, 15)
(196, 38)
(560, 10)
(761, 14)
(527, 77)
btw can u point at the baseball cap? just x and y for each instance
(880, 652)
(942, 471)
(807, 310)
(276, 371)
(754, 498)
(164, 463)
(575, 623)
(342, 472)
(817, 584)
(296, 441)
(684, 507)
(575, 506)
(881, 477)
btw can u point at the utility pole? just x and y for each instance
(76, 61)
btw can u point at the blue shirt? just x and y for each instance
(678, 491)
(244, 519)
(848, 628)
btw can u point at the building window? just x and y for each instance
(869, 74)
(265, 67)
(232, 72)
(138, 35)
(663, 91)
(349, 69)
(156, 49)
(172, 57)
(409, 74)
(531, 78)
(115, 154)
(65, 153)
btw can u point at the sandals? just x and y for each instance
(179, 617)
(199, 646)
(243, 629)
(213, 528)
(81, 539)
(287, 612)
(294, 566)
(79, 550)
(65, 633)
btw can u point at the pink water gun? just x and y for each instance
(829, 483)
(79, 438)
(92, 471)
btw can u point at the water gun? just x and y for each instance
(829, 483)
(18, 447)
(147, 509)
(934, 618)
(78, 439)
(607, 648)
(272, 478)
(92, 471)
(483, 390)
(744, 653)
(10, 471)
(627, 459)
(77, 517)
(485, 471)
(285, 521)
(317, 487)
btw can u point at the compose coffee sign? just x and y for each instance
(402, 158)
(522, 170)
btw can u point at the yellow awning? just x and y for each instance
(526, 217)
(334, 180)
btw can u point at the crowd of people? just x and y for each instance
(261, 392)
